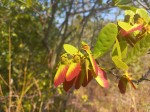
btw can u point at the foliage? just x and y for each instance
(33, 34)
(135, 29)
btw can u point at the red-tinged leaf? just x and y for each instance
(122, 84)
(101, 78)
(134, 28)
(60, 74)
(86, 81)
(68, 84)
(73, 71)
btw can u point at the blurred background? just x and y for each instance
(32, 34)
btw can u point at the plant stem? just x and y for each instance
(9, 71)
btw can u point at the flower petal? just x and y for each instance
(60, 74)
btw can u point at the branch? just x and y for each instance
(142, 4)
(147, 3)
(143, 77)
(95, 10)
(85, 21)
(65, 34)
(47, 33)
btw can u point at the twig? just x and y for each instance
(143, 78)
(9, 70)
(112, 73)
(50, 24)
(142, 5)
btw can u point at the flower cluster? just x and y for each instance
(79, 70)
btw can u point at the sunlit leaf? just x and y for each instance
(124, 48)
(120, 49)
(29, 3)
(143, 14)
(123, 2)
(140, 48)
(130, 13)
(71, 49)
(127, 7)
(119, 63)
(106, 39)
(124, 25)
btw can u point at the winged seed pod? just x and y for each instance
(74, 68)
(123, 83)
(79, 70)
(62, 70)
(92, 60)
(97, 73)
(74, 74)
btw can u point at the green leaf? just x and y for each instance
(105, 39)
(29, 3)
(5, 2)
(143, 14)
(129, 16)
(127, 7)
(119, 63)
(120, 49)
(123, 2)
(116, 51)
(139, 49)
(124, 48)
(71, 49)
(124, 25)
(129, 12)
